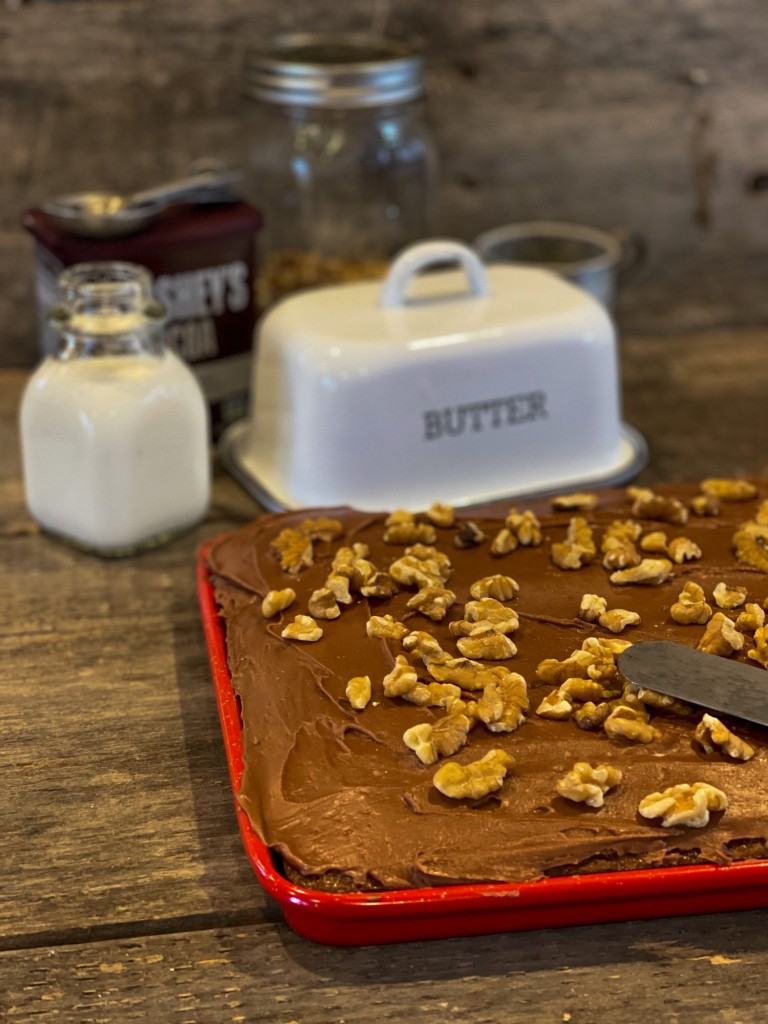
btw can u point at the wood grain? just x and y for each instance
(703, 970)
(646, 117)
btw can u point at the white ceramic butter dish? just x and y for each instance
(457, 385)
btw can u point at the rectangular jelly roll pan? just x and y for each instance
(448, 911)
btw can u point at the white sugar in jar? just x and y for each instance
(114, 426)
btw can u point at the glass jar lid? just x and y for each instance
(334, 70)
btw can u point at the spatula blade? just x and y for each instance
(696, 677)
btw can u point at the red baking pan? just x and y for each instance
(408, 915)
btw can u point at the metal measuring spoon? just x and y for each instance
(109, 215)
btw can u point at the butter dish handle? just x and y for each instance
(422, 255)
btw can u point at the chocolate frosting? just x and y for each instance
(334, 790)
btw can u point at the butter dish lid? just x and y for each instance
(459, 386)
(421, 299)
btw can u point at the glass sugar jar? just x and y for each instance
(114, 425)
(341, 158)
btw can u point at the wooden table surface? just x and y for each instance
(126, 895)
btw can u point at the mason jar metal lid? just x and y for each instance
(340, 70)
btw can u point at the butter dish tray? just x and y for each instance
(459, 385)
(236, 458)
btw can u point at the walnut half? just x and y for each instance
(711, 733)
(585, 784)
(476, 779)
(685, 804)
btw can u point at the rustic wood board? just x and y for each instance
(642, 116)
(703, 970)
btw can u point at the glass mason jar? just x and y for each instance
(114, 426)
(341, 159)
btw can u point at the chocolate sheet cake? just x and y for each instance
(432, 699)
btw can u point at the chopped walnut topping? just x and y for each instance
(617, 619)
(504, 542)
(750, 542)
(663, 702)
(401, 528)
(639, 493)
(555, 705)
(585, 784)
(349, 555)
(728, 490)
(384, 627)
(380, 584)
(591, 715)
(489, 609)
(322, 529)
(464, 672)
(578, 548)
(410, 571)
(691, 607)
(751, 619)
(433, 602)
(476, 779)
(488, 643)
(277, 601)
(556, 672)
(498, 587)
(430, 742)
(579, 501)
(721, 637)
(433, 695)
(626, 723)
(705, 505)
(487, 612)
(339, 587)
(322, 604)
(358, 692)
(401, 679)
(665, 510)
(459, 706)
(293, 550)
(729, 597)
(592, 607)
(759, 652)
(304, 628)
(651, 571)
(711, 733)
(503, 704)
(684, 804)
(654, 543)
(603, 653)
(419, 739)
(441, 515)
(424, 644)
(432, 560)
(469, 535)
(682, 549)
(580, 689)
(618, 544)
(525, 526)
(352, 563)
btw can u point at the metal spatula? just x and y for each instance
(712, 682)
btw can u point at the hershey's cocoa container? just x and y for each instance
(203, 260)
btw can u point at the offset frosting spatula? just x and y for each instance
(708, 680)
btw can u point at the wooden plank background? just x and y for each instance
(650, 116)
